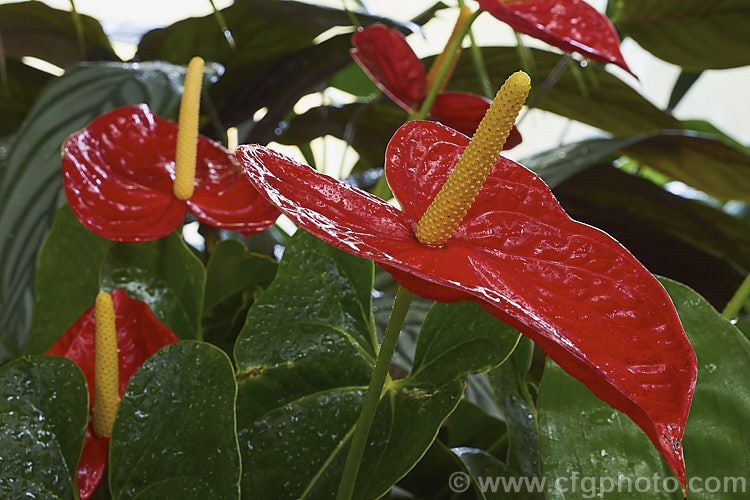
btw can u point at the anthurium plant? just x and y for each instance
(189, 310)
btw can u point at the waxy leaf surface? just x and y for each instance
(570, 25)
(165, 274)
(582, 434)
(174, 435)
(521, 257)
(119, 173)
(43, 414)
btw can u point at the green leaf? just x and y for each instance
(471, 426)
(517, 406)
(607, 103)
(683, 239)
(235, 277)
(703, 162)
(35, 29)
(459, 338)
(164, 274)
(24, 85)
(174, 434)
(694, 34)
(367, 127)
(277, 61)
(67, 279)
(304, 360)
(44, 407)
(684, 82)
(583, 434)
(31, 185)
(492, 479)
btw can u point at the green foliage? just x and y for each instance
(693, 34)
(164, 274)
(175, 435)
(43, 417)
(581, 433)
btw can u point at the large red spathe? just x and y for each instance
(571, 288)
(119, 170)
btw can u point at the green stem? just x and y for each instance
(429, 100)
(223, 26)
(738, 300)
(79, 27)
(374, 391)
(479, 66)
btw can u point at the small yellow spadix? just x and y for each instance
(454, 199)
(187, 133)
(463, 15)
(106, 368)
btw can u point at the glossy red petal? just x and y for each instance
(224, 197)
(139, 335)
(386, 57)
(570, 25)
(574, 290)
(118, 175)
(463, 112)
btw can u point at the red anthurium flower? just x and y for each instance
(386, 57)
(139, 335)
(571, 288)
(570, 25)
(119, 172)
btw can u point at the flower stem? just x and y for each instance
(445, 67)
(738, 300)
(369, 407)
(479, 66)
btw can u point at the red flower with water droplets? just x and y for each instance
(571, 288)
(386, 57)
(139, 335)
(570, 25)
(118, 174)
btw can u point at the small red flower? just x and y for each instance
(386, 57)
(570, 25)
(139, 335)
(119, 171)
(571, 288)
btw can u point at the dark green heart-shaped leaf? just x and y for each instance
(44, 407)
(670, 235)
(694, 34)
(164, 274)
(31, 186)
(35, 29)
(604, 102)
(459, 338)
(67, 279)
(174, 435)
(18, 93)
(304, 359)
(235, 277)
(580, 433)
